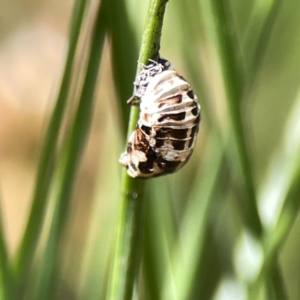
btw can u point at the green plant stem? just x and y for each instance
(263, 40)
(194, 226)
(284, 164)
(276, 286)
(234, 85)
(30, 239)
(274, 239)
(124, 51)
(127, 252)
(6, 289)
(71, 158)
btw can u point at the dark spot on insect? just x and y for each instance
(146, 167)
(176, 99)
(165, 63)
(180, 133)
(178, 145)
(133, 166)
(197, 121)
(175, 117)
(195, 110)
(140, 142)
(171, 132)
(191, 142)
(170, 100)
(195, 129)
(159, 143)
(169, 166)
(146, 129)
(190, 93)
(129, 148)
(180, 76)
(179, 99)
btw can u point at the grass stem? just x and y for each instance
(127, 253)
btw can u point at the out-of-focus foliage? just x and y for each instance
(200, 236)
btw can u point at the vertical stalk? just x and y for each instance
(128, 245)
(31, 235)
(234, 86)
(6, 280)
(71, 158)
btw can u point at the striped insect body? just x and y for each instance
(168, 124)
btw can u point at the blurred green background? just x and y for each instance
(197, 241)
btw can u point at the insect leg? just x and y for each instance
(134, 100)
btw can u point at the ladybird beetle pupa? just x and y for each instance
(165, 134)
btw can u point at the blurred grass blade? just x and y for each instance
(46, 165)
(194, 225)
(124, 55)
(71, 159)
(98, 250)
(283, 168)
(280, 196)
(265, 32)
(276, 287)
(160, 235)
(234, 84)
(190, 54)
(6, 278)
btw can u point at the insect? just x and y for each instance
(165, 134)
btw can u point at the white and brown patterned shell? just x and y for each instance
(165, 134)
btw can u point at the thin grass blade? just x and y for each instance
(124, 55)
(280, 193)
(47, 160)
(234, 85)
(6, 276)
(128, 245)
(71, 160)
(194, 226)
